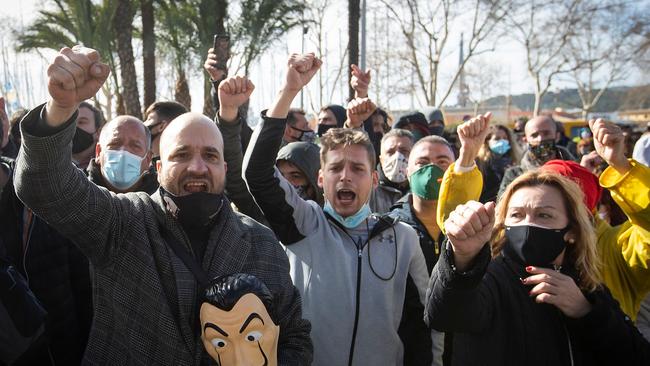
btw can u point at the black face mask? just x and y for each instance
(195, 209)
(324, 128)
(154, 135)
(81, 141)
(534, 246)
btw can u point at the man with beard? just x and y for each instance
(540, 134)
(151, 255)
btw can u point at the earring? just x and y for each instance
(572, 241)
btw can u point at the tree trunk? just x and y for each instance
(210, 100)
(182, 91)
(123, 29)
(148, 52)
(354, 14)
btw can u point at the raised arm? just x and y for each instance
(463, 181)
(290, 217)
(233, 93)
(45, 178)
(625, 249)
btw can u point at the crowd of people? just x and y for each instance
(186, 240)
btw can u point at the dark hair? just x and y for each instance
(291, 116)
(223, 292)
(97, 114)
(166, 110)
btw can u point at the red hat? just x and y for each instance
(587, 181)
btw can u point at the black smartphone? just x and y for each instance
(221, 47)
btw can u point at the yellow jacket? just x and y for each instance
(456, 189)
(625, 249)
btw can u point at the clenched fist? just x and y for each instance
(233, 92)
(75, 75)
(300, 70)
(610, 144)
(472, 136)
(358, 110)
(468, 228)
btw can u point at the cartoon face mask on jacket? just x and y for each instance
(121, 168)
(242, 333)
(425, 182)
(395, 167)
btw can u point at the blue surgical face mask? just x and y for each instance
(349, 222)
(121, 168)
(499, 147)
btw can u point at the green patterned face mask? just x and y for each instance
(425, 182)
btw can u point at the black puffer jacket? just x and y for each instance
(497, 323)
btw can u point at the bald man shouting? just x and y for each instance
(151, 255)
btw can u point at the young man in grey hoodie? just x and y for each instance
(351, 267)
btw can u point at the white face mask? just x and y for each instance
(395, 168)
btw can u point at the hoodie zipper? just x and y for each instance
(357, 300)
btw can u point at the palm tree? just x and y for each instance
(76, 22)
(123, 30)
(177, 35)
(148, 52)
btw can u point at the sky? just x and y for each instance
(29, 84)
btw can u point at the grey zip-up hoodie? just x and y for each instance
(352, 282)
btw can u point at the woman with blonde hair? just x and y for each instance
(499, 152)
(533, 296)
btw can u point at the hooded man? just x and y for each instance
(436, 121)
(330, 116)
(299, 163)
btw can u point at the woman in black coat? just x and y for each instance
(540, 301)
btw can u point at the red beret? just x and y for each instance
(587, 181)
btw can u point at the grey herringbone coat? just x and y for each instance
(144, 296)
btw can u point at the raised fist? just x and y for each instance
(75, 75)
(358, 110)
(468, 228)
(472, 136)
(360, 81)
(300, 70)
(233, 92)
(610, 143)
